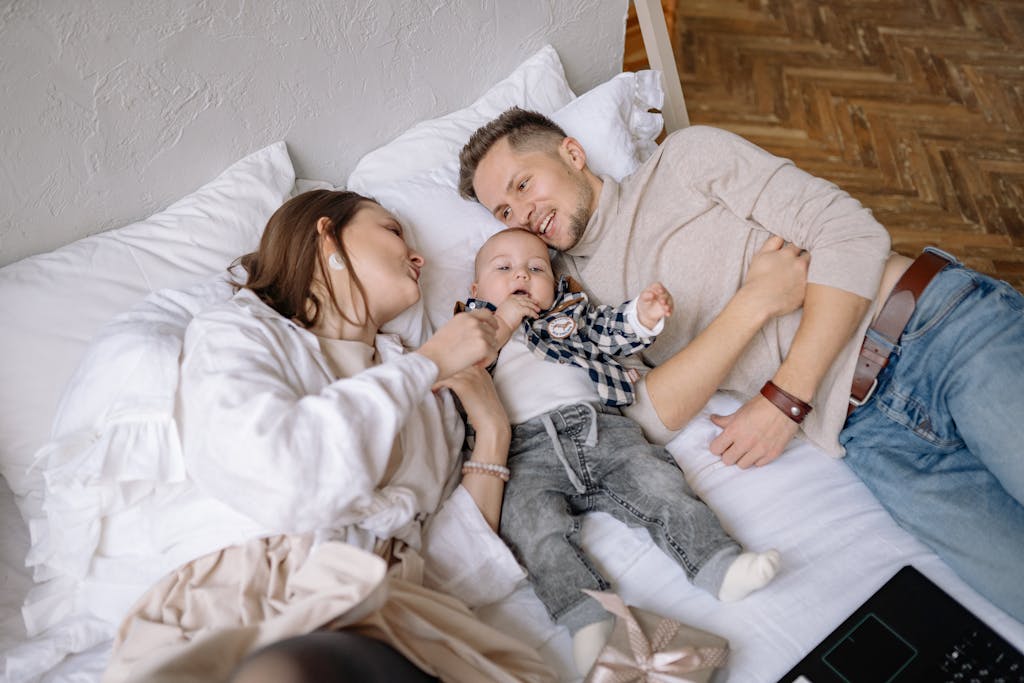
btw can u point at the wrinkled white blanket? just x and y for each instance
(828, 567)
(838, 545)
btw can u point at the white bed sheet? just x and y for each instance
(837, 544)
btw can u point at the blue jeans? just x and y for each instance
(941, 442)
(559, 473)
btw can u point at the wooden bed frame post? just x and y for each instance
(651, 18)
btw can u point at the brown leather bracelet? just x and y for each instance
(792, 407)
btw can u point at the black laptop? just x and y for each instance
(910, 630)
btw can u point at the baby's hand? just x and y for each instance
(653, 304)
(512, 310)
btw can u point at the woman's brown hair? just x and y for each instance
(281, 271)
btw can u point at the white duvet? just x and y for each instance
(838, 546)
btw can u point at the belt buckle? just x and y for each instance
(858, 403)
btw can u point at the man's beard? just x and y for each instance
(581, 216)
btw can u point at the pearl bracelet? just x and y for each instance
(499, 471)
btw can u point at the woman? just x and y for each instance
(337, 467)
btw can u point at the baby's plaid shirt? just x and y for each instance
(573, 331)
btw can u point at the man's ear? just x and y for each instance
(574, 153)
(472, 290)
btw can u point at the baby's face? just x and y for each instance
(514, 262)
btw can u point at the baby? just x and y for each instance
(573, 452)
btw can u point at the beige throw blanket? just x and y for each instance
(198, 622)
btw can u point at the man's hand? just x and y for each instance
(777, 276)
(653, 304)
(754, 435)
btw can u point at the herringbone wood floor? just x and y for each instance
(915, 107)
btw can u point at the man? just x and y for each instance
(926, 404)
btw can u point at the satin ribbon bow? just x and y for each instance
(648, 661)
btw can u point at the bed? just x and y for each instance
(92, 330)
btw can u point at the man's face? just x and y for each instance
(547, 193)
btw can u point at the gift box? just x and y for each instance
(647, 648)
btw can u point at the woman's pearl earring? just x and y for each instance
(334, 261)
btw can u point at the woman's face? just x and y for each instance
(379, 255)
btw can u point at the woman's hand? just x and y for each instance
(777, 277)
(469, 338)
(476, 392)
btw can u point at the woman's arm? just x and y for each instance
(266, 432)
(464, 555)
(475, 390)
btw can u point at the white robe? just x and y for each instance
(274, 445)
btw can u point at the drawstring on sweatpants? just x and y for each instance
(591, 441)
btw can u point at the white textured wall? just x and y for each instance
(112, 109)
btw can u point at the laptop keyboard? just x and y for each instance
(977, 658)
(902, 634)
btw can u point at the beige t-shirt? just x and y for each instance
(347, 358)
(693, 216)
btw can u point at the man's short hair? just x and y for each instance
(524, 129)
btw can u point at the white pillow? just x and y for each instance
(611, 121)
(115, 498)
(114, 437)
(447, 231)
(538, 83)
(614, 123)
(52, 304)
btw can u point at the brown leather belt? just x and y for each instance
(890, 324)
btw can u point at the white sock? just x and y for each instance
(747, 573)
(588, 642)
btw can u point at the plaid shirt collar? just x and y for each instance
(572, 331)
